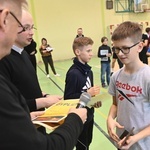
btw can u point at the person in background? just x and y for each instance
(129, 87)
(46, 52)
(104, 52)
(79, 33)
(147, 30)
(148, 52)
(114, 58)
(18, 69)
(142, 54)
(148, 45)
(16, 128)
(31, 50)
(79, 79)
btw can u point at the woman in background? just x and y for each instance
(46, 50)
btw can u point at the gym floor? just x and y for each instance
(55, 86)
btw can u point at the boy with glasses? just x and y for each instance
(130, 88)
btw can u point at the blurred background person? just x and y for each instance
(46, 52)
(142, 54)
(148, 45)
(104, 53)
(114, 59)
(79, 33)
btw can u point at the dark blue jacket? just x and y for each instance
(79, 79)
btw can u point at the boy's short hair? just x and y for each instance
(103, 39)
(127, 29)
(80, 42)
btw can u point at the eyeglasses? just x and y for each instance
(124, 50)
(28, 28)
(20, 24)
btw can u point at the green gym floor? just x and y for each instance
(55, 85)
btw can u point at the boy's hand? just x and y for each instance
(95, 90)
(129, 142)
(97, 104)
(111, 125)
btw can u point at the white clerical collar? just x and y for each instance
(17, 49)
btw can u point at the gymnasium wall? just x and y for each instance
(58, 21)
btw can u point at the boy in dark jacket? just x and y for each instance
(79, 79)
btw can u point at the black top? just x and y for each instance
(118, 60)
(18, 69)
(102, 53)
(148, 42)
(79, 79)
(31, 48)
(79, 36)
(114, 56)
(144, 37)
(142, 54)
(17, 131)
